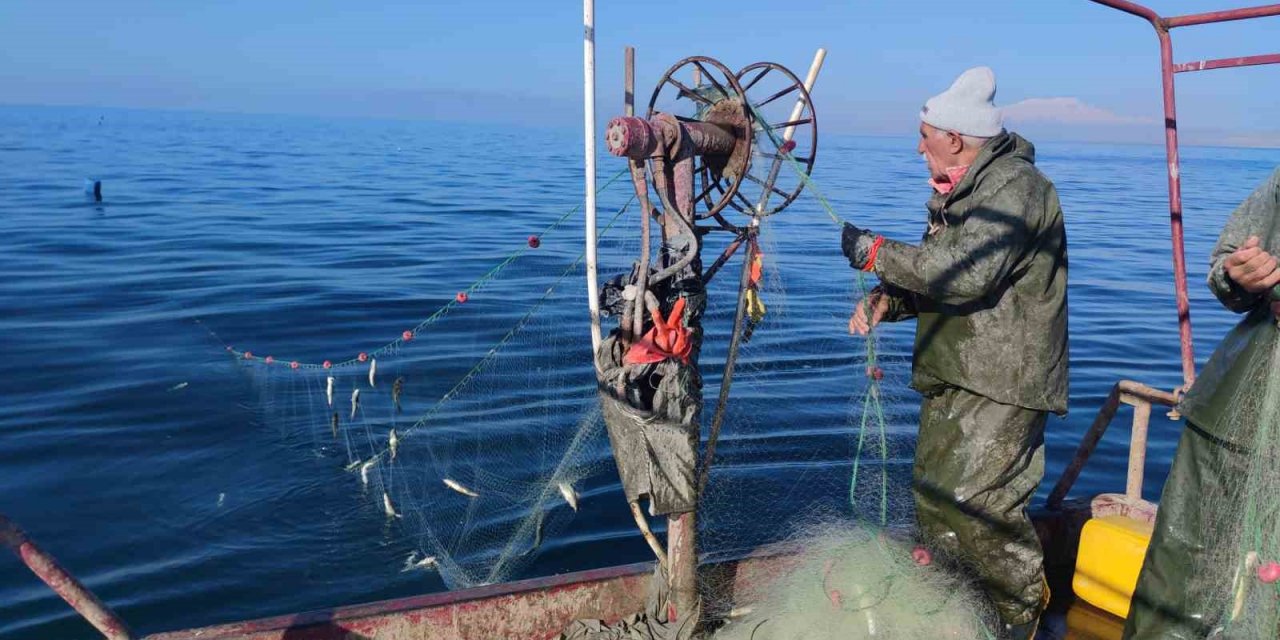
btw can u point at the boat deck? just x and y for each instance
(539, 608)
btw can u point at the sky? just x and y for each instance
(1066, 69)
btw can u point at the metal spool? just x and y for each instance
(738, 179)
(716, 100)
(779, 101)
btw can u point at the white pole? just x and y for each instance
(809, 81)
(589, 128)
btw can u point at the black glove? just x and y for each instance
(856, 244)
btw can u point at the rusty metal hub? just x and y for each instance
(729, 115)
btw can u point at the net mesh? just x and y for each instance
(480, 468)
(853, 582)
(1242, 575)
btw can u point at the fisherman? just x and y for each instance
(1180, 589)
(987, 286)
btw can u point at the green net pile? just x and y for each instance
(853, 582)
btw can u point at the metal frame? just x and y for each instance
(1139, 396)
(1167, 69)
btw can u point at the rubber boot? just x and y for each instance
(1024, 631)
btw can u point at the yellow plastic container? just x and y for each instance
(1111, 551)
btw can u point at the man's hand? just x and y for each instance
(860, 324)
(1252, 269)
(856, 244)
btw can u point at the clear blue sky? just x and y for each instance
(520, 60)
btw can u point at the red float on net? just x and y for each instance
(462, 297)
(327, 364)
(1269, 572)
(921, 556)
(407, 336)
(363, 357)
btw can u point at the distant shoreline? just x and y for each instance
(1269, 142)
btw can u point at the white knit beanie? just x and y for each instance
(968, 107)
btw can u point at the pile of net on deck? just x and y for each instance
(838, 582)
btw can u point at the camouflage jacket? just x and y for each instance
(1232, 381)
(988, 283)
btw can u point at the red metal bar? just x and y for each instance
(1223, 16)
(1225, 63)
(1175, 180)
(1175, 209)
(76, 595)
(1132, 8)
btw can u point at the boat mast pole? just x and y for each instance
(589, 130)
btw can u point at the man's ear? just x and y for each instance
(955, 144)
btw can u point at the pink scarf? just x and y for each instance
(954, 176)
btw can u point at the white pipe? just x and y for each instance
(809, 81)
(589, 128)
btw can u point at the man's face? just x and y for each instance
(939, 149)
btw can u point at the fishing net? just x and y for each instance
(1239, 569)
(473, 462)
(496, 465)
(852, 582)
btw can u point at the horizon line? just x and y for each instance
(555, 127)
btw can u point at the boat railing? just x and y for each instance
(1139, 396)
(64, 584)
(1168, 68)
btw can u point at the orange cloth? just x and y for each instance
(667, 339)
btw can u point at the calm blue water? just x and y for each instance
(180, 508)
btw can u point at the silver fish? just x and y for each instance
(328, 391)
(397, 388)
(176, 387)
(364, 471)
(373, 369)
(453, 484)
(570, 496)
(353, 466)
(393, 443)
(537, 537)
(413, 562)
(334, 424)
(386, 506)
(355, 402)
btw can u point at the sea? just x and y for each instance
(135, 450)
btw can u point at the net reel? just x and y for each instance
(739, 130)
